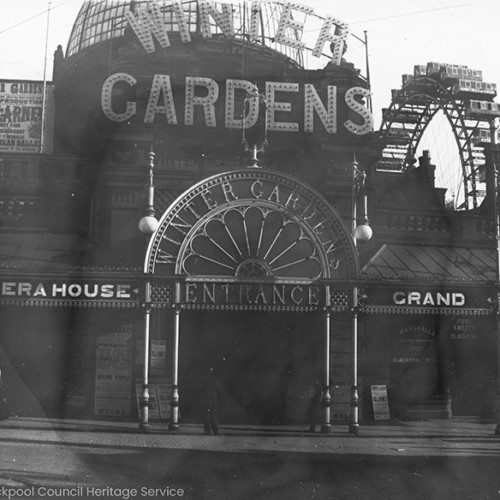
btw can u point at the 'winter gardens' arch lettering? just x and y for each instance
(252, 224)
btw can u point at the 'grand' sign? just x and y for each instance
(433, 299)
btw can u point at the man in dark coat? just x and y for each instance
(212, 393)
(314, 406)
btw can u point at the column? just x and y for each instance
(144, 397)
(325, 424)
(354, 422)
(174, 416)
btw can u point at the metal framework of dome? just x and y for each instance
(102, 20)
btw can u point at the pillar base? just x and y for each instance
(497, 413)
(173, 427)
(144, 427)
(326, 428)
(354, 429)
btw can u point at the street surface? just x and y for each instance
(455, 459)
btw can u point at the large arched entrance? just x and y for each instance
(254, 355)
(253, 263)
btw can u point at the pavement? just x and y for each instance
(456, 459)
(458, 436)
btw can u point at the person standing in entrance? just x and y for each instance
(212, 393)
(314, 406)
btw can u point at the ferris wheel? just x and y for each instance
(458, 94)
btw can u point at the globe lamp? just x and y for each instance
(363, 232)
(148, 224)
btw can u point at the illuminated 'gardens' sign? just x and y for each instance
(202, 96)
(190, 100)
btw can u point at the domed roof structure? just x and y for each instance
(102, 20)
(137, 71)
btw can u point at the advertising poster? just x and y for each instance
(113, 388)
(158, 354)
(21, 105)
(163, 395)
(380, 402)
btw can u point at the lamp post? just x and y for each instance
(361, 231)
(174, 403)
(147, 225)
(327, 399)
(255, 138)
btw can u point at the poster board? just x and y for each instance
(21, 103)
(380, 402)
(158, 355)
(163, 394)
(113, 375)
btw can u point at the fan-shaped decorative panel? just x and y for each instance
(252, 223)
(251, 242)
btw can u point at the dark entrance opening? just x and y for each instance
(252, 354)
(32, 358)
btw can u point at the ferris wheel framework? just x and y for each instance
(466, 102)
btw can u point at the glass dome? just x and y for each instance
(101, 20)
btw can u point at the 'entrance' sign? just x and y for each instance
(253, 294)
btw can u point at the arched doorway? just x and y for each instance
(259, 358)
(250, 252)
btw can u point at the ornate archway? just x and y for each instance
(252, 223)
(253, 240)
